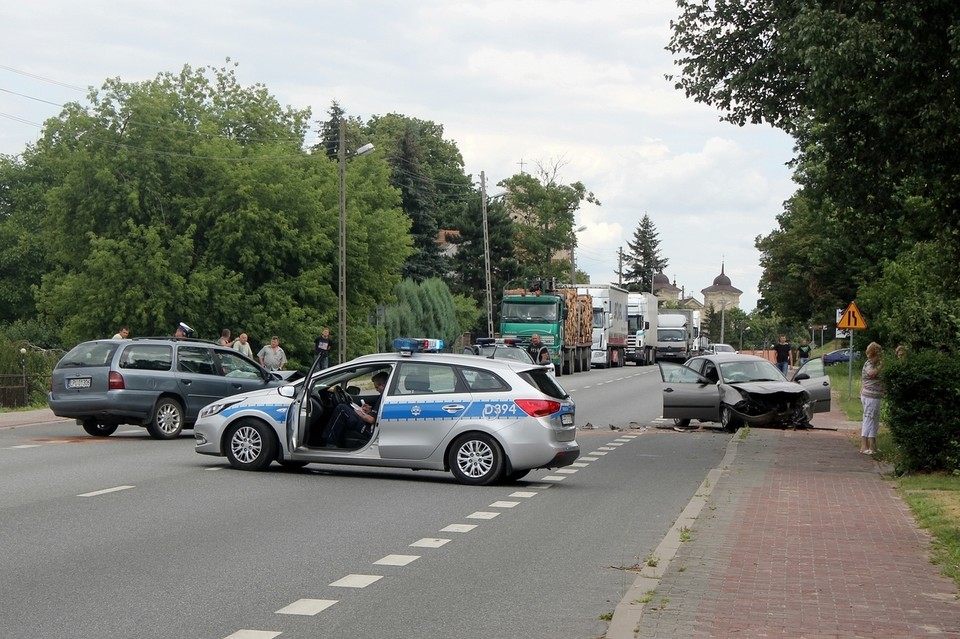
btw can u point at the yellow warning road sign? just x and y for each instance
(852, 318)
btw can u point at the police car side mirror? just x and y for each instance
(287, 391)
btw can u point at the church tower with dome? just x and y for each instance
(664, 290)
(722, 294)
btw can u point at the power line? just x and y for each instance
(43, 79)
(19, 119)
(30, 97)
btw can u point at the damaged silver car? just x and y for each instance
(743, 389)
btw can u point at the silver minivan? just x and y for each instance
(158, 383)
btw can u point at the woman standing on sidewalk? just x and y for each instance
(871, 391)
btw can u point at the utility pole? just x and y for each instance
(486, 252)
(342, 275)
(620, 266)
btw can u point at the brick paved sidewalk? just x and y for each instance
(801, 537)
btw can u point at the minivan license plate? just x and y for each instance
(566, 419)
(78, 382)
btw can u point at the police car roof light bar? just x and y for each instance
(409, 345)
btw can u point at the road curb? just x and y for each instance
(627, 614)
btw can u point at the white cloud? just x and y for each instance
(576, 81)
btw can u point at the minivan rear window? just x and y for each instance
(89, 354)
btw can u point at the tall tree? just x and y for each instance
(867, 88)
(428, 170)
(423, 309)
(644, 258)
(469, 261)
(544, 212)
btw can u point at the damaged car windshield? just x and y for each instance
(754, 371)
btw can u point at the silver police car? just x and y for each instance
(483, 420)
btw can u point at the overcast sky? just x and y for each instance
(514, 83)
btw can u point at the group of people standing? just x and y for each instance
(271, 356)
(784, 354)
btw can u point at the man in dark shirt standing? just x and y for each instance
(321, 348)
(784, 355)
(537, 350)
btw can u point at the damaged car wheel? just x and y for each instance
(728, 420)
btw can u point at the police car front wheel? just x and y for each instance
(476, 459)
(250, 445)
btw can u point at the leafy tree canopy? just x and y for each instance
(544, 212)
(189, 197)
(868, 90)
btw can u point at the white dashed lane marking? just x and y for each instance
(460, 528)
(307, 607)
(553, 478)
(97, 493)
(254, 634)
(524, 493)
(567, 471)
(396, 560)
(430, 542)
(589, 459)
(504, 504)
(356, 581)
(480, 514)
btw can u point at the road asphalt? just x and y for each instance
(795, 534)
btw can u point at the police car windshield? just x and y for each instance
(506, 352)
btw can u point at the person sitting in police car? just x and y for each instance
(345, 418)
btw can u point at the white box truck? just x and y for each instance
(609, 324)
(675, 334)
(642, 311)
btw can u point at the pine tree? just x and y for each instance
(644, 258)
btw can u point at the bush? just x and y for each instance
(922, 396)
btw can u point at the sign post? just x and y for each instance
(851, 320)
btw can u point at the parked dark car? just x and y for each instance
(158, 383)
(837, 356)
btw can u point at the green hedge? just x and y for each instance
(923, 397)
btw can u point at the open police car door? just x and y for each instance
(298, 414)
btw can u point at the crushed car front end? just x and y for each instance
(770, 404)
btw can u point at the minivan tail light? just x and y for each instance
(538, 407)
(116, 381)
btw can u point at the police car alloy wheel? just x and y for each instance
(250, 445)
(476, 459)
